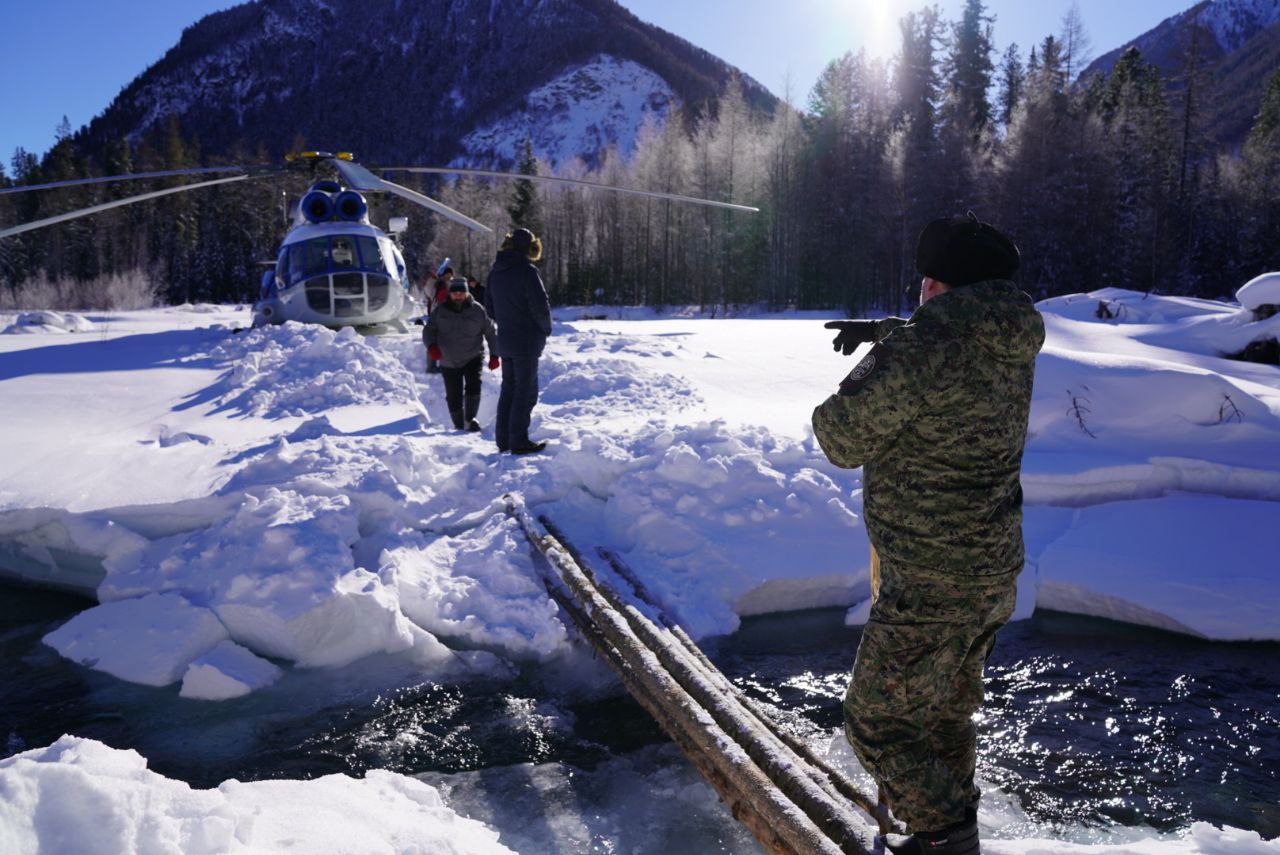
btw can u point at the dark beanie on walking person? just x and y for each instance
(458, 284)
(960, 251)
(521, 239)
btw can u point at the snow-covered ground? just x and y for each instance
(246, 503)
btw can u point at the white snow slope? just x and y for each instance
(586, 108)
(244, 503)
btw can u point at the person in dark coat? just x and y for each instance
(518, 302)
(455, 336)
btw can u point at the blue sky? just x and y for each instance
(73, 56)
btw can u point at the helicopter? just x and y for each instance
(334, 267)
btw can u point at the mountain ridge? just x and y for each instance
(394, 80)
(1236, 42)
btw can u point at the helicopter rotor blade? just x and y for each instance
(128, 176)
(359, 178)
(552, 179)
(84, 212)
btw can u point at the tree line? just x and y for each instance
(1113, 180)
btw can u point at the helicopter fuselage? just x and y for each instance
(337, 273)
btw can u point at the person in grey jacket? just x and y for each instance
(455, 336)
(518, 302)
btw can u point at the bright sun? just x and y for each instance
(870, 24)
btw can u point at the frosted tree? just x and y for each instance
(1075, 41)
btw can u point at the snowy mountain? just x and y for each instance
(1224, 26)
(1238, 41)
(580, 113)
(398, 81)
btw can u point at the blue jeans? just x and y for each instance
(515, 401)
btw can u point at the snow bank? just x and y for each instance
(1259, 291)
(478, 588)
(60, 549)
(1200, 839)
(78, 795)
(1183, 563)
(279, 573)
(1166, 328)
(295, 370)
(148, 640)
(30, 323)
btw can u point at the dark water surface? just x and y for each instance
(1087, 722)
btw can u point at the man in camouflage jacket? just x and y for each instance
(936, 414)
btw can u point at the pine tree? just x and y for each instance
(1013, 79)
(524, 208)
(1264, 137)
(1136, 112)
(916, 165)
(969, 69)
(917, 77)
(1259, 192)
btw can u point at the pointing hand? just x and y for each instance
(852, 334)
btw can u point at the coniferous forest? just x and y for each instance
(1110, 180)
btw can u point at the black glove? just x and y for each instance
(852, 334)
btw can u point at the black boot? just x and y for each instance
(472, 406)
(959, 839)
(456, 415)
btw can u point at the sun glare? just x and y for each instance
(871, 25)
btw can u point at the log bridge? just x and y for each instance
(793, 801)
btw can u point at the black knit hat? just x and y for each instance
(458, 284)
(520, 239)
(963, 250)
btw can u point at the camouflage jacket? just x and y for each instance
(936, 414)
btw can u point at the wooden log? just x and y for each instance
(739, 806)
(790, 772)
(836, 778)
(781, 818)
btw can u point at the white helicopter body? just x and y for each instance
(337, 271)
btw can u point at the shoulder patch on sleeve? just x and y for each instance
(865, 369)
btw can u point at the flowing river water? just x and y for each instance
(1090, 729)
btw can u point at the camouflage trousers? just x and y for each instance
(916, 683)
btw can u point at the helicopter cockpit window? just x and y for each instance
(344, 251)
(370, 253)
(322, 255)
(308, 258)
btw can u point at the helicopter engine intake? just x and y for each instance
(350, 205)
(317, 207)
